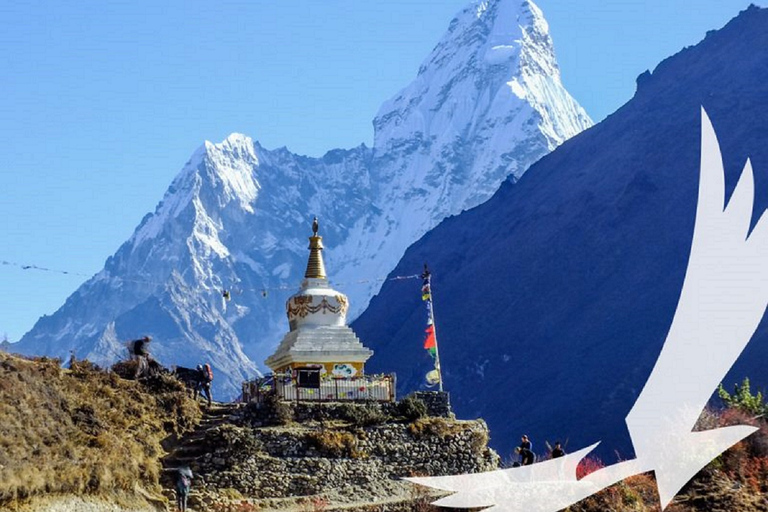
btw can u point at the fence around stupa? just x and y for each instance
(361, 388)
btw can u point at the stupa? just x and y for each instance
(317, 316)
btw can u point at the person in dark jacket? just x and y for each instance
(526, 457)
(183, 485)
(203, 383)
(525, 450)
(558, 451)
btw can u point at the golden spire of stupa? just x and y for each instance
(315, 265)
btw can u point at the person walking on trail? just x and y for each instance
(140, 352)
(558, 451)
(183, 485)
(205, 376)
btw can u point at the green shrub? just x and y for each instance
(411, 408)
(364, 415)
(279, 410)
(742, 398)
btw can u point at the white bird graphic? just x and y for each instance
(723, 299)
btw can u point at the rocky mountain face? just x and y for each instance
(486, 104)
(553, 298)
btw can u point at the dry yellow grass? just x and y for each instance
(436, 426)
(83, 431)
(336, 443)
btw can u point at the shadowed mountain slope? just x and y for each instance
(553, 298)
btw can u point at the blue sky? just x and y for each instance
(102, 102)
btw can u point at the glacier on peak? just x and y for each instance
(486, 104)
(227, 166)
(235, 159)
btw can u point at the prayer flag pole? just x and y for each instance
(431, 342)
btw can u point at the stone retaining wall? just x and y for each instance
(346, 462)
(281, 412)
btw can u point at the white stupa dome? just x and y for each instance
(317, 316)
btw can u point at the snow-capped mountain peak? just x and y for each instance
(232, 163)
(485, 104)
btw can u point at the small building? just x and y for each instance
(319, 336)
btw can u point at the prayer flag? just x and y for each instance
(429, 343)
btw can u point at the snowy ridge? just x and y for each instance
(234, 160)
(486, 104)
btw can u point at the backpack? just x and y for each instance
(183, 484)
(208, 372)
(139, 347)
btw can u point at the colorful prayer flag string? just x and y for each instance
(227, 292)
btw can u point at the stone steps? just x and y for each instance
(191, 446)
(189, 450)
(178, 462)
(218, 409)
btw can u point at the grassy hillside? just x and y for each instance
(88, 432)
(84, 431)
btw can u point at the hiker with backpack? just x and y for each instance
(140, 352)
(205, 376)
(183, 485)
